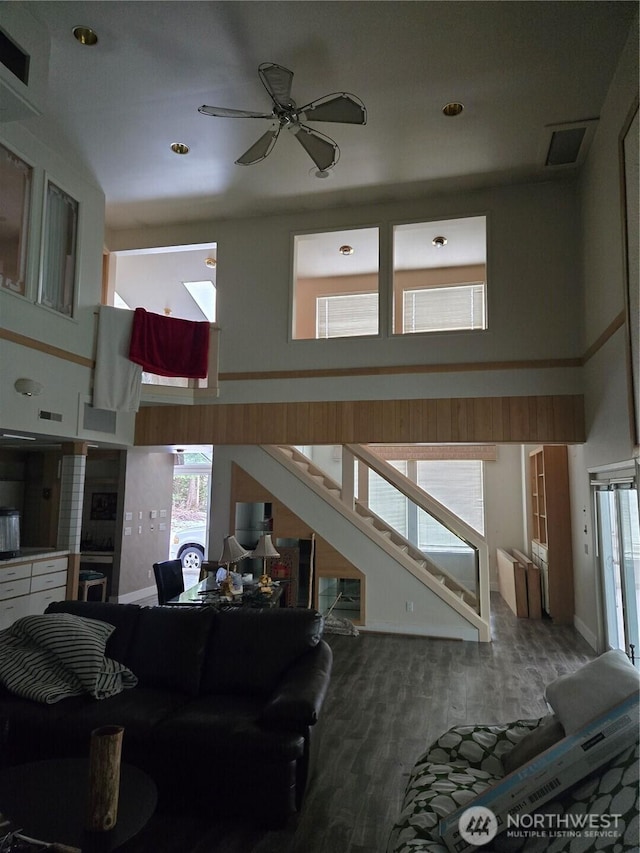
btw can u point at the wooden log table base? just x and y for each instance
(48, 801)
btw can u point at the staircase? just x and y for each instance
(464, 601)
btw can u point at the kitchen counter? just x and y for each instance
(27, 554)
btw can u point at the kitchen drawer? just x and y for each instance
(12, 609)
(43, 567)
(14, 573)
(39, 601)
(12, 588)
(40, 582)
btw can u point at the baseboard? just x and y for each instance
(585, 632)
(128, 597)
(420, 631)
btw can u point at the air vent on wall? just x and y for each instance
(49, 416)
(566, 145)
(99, 420)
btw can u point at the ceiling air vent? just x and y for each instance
(566, 145)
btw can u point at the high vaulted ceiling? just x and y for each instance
(517, 67)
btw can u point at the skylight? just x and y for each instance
(203, 294)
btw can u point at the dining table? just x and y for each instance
(208, 593)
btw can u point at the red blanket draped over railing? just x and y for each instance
(170, 346)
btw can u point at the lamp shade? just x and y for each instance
(265, 547)
(232, 551)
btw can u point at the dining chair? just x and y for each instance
(169, 579)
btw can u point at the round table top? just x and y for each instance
(47, 800)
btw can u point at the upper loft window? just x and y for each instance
(57, 283)
(440, 276)
(335, 284)
(15, 179)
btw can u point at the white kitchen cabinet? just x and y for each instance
(28, 587)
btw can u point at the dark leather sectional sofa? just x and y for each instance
(223, 713)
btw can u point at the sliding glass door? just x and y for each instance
(619, 552)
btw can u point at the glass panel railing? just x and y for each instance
(444, 548)
(448, 551)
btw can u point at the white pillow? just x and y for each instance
(596, 687)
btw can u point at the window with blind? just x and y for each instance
(348, 315)
(57, 284)
(455, 483)
(440, 276)
(335, 284)
(444, 309)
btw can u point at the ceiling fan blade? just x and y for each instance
(342, 107)
(260, 149)
(323, 151)
(277, 81)
(226, 112)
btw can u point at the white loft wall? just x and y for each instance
(21, 314)
(609, 438)
(66, 384)
(534, 284)
(388, 586)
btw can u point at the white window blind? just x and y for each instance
(458, 485)
(387, 502)
(441, 309)
(347, 315)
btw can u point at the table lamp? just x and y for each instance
(232, 552)
(266, 550)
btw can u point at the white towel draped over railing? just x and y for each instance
(118, 382)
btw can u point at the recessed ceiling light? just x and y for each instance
(179, 148)
(346, 250)
(85, 35)
(439, 242)
(211, 263)
(319, 173)
(452, 109)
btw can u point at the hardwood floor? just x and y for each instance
(390, 696)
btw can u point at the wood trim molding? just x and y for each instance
(617, 323)
(48, 349)
(484, 420)
(390, 370)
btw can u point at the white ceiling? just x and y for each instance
(516, 66)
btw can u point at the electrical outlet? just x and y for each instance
(409, 605)
(127, 531)
(139, 529)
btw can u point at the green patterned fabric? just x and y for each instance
(467, 759)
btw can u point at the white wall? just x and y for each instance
(67, 384)
(609, 439)
(533, 286)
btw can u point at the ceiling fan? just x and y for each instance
(339, 107)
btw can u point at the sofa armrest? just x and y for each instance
(297, 700)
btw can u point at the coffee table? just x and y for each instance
(47, 800)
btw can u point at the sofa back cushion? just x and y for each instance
(250, 649)
(124, 617)
(169, 645)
